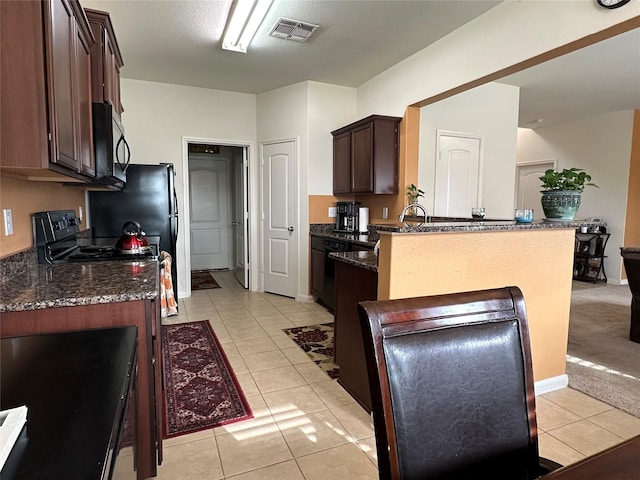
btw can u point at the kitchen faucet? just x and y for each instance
(412, 205)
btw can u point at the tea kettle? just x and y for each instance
(133, 240)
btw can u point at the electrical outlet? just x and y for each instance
(385, 212)
(8, 221)
(333, 212)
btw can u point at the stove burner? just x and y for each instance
(96, 249)
(97, 253)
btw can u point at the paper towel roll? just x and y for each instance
(363, 219)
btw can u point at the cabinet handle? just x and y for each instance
(290, 229)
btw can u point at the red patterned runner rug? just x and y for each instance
(201, 390)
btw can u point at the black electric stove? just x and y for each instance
(57, 239)
(96, 253)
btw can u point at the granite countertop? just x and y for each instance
(71, 284)
(326, 231)
(473, 226)
(363, 259)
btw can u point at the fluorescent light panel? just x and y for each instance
(246, 18)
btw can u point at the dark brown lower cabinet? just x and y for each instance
(353, 285)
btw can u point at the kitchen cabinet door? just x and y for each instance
(342, 163)
(61, 52)
(317, 272)
(362, 159)
(365, 156)
(106, 60)
(85, 116)
(45, 97)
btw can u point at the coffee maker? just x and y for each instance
(347, 216)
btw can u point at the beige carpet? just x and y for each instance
(602, 362)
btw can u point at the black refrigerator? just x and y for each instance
(149, 198)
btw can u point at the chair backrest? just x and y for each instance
(452, 385)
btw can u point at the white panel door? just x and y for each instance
(528, 185)
(209, 206)
(280, 219)
(458, 175)
(240, 222)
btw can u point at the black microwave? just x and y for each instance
(112, 152)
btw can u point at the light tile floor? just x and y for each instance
(305, 426)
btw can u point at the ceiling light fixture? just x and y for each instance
(247, 17)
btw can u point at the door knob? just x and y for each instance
(290, 229)
(234, 224)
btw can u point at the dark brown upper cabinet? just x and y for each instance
(365, 156)
(106, 61)
(45, 102)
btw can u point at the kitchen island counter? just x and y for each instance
(65, 297)
(363, 259)
(74, 284)
(471, 226)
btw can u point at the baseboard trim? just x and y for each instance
(550, 384)
(305, 298)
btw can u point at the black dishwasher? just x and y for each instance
(330, 245)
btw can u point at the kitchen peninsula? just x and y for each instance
(80, 296)
(440, 257)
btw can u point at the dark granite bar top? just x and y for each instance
(326, 231)
(363, 259)
(71, 284)
(473, 226)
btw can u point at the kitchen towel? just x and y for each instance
(168, 304)
(363, 219)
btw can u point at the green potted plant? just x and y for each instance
(414, 193)
(561, 192)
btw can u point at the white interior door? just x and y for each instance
(528, 185)
(280, 220)
(458, 174)
(209, 206)
(241, 217)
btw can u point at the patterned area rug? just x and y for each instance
(203, 280)
(201, 390)
(317, 342)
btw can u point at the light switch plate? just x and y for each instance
(385, 212)
(8, 221)
(333, 212)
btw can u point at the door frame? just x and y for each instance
(531, 163)
(296, 189)
(252, 207)
(452, 133)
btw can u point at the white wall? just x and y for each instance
(505, 35)
(157, 116)
(282, 115)
(600, 145)
(330, 107)
(308, 112)
(490, 111)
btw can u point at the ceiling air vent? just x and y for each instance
(292, 30)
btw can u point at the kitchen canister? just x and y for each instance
(363, 219)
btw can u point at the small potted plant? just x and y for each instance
(414, 194)
(561, 192)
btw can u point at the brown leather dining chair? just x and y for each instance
(452, 386)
